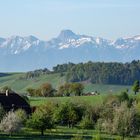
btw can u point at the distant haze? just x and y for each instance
(45, 18)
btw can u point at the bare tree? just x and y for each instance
(10, 123)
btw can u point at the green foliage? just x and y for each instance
(86, 123)
(120, 120)
(65, 90)
(105, 73)
(111, 101)
(30, 91)
(77, 89)
(70, 89)
(123, 96)
(45, 90)
(97, 137)
(62, 68)
(136, 86)
(21, 114)
(68, 114)
(118, 117)
(41, 119)
(123, 120)
(21, 85)
(36, 73)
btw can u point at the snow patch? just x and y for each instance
(64, 46)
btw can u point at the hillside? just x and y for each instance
(18, 84)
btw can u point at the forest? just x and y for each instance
(101, 72)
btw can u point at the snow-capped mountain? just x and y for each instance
(27, 53)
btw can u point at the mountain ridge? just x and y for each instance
(28, 53)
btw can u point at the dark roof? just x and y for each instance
(14, 101)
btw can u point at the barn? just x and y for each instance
(14, 101)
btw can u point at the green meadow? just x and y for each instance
(20, 84)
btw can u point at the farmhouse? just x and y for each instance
(14, 101)
(92, 93)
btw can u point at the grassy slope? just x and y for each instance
(93, 100)
(20, 85)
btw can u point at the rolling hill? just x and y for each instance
(19, 84)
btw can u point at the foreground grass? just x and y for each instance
(62, 133)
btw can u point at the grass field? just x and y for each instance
(20, 85)
(93, 100)
(62, 133)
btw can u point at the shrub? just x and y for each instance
(86, 123)
(10, 123)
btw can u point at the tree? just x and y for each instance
(47, 90)
(10, 123)
(41, 119)
(87, 123)
(77, 88)
(31, 91)
(64, 90)
(67, 114)
(136, 87)
(124, 122)
(123, 97)
(21, 114)
(71, 88)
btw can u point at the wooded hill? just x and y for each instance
(100, 76)
(95, 72)
(101, 73)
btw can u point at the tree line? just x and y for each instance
(101, 73)
(67, 89)
(94, 72)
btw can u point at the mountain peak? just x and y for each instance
(31, 38)
(67, 34)
(137, 37)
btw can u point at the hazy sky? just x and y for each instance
(46, 18)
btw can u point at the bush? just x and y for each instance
(123, 97)
(86, 123)
(10, 123)
(41, 119)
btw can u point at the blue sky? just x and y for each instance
(46, 18)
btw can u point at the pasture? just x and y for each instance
(93, 100)
(18, 83)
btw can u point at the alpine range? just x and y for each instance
(28, 53)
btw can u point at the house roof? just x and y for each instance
(14, 101)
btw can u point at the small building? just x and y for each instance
(14, 101)
(92, 93)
